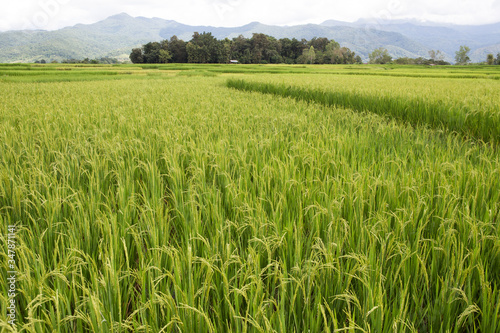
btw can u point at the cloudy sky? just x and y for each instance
(55, 14)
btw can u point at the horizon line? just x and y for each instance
(368, 21)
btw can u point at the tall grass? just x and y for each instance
(481, 124)
(182, 206)
(365, 72)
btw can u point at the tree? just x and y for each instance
(151, 52)
(297, 48)
(193, 51)
(310, 55)
(273, 52)
(335, 54)
(203, 48)
(291, 50)
(136, 56)
(347, 55)
(319, 43)
(462, 55)
(177, 48)
(261, 48)
(380, 56)
(223, 51)
(332, 53)
(436, 55)
(490, 59)
(164, 56)
(259, 43)
(286, 50)
(498, 59)
(240, 49)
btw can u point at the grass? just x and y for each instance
(148, 204)
(483, 124)
(357, 71)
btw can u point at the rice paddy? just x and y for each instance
(212, 198)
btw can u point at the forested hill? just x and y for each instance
(117, 35)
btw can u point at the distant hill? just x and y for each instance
(113, 36)
(118, 34)
(482, 39)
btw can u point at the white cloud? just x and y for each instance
(54, 14)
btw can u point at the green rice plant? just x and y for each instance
(152, 205)
(484, 125)
(196, 73)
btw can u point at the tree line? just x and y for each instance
(264, 49)
(259, 49)
(462, 57)
(382, 56)
(102, 60)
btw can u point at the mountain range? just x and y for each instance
(118, 34)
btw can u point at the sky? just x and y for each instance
(56, 14)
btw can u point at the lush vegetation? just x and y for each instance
(482, 122)
(263, 49)
(116, 36)
(260, 49)
(155, 198)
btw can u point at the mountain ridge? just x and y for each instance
(116, 35)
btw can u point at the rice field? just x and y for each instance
(212, 198)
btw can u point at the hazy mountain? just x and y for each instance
(358, 40)
(111, 37)
(482, 39)
(118, 34)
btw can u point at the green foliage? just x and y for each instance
(436, 56)
(334, 54)
(104, 60)
(260, 49)
(419, 61)
(177, 48)
(490, 59)
(481, 124)
(380, 56)
(184, 206)
(462, 55)
(136, 56)
(309, 54)
(118, 35)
